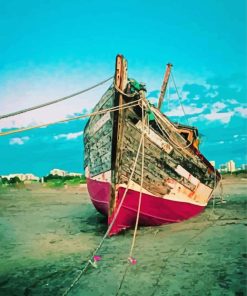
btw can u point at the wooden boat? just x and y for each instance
(176, 182)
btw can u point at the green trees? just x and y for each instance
(12, 181)
(67, 179)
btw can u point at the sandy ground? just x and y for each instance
(46, 236)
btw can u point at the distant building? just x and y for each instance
(58, 172)
(22, 177)
(212, 163)
(223, 168)
(231, 166)
(31, 177)
(75, 174)
(244, 167)
(62, 173)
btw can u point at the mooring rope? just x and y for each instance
(139, 206)
(214, 187)
(125, 94)
(141, 189)
(55, 101)
(112, 109)
(82, 271)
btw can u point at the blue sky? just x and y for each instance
(52, 48)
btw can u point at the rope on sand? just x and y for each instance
(130, 259)
(82, 271)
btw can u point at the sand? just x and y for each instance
(47, 236)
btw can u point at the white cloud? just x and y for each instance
(212, 94)
(40, 86)
(224, 117)
(196, 98)
(18, 141)
(218, 106)
(242, 111)
(194, 119)
(232, 101)
(174, 97)
(69, 136)
(189, 110)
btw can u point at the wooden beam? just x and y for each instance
(164, 85)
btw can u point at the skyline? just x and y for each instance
(218, 167)
(51, 50)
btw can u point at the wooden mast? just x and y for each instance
(164, 85)
(120, 81)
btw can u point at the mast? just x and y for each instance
(164, 85)
(121, 80)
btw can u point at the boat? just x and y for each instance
(138, 162)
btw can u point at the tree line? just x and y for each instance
(17, 180)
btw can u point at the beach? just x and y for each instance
(47, 236)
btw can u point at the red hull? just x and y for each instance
(154, 210)
(100, 193)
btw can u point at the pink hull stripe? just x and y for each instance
(154, 210)
(100, 193)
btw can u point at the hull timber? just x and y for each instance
(178, 181)
(154, 210)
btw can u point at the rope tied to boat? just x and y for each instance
(155, 117)
(82, 271)
(132, 260)
(135, 93)
(179, 98)
(112, 109)
(55, 101)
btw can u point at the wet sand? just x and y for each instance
(47, 236)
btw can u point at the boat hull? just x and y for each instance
(177, 181)
(99, 193)
(154, 210)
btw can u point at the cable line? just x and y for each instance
(180, 99)
(112, 109)
(82, 271)
(55, 101)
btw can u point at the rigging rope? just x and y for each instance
(113, 109)
(110, 226)
(179, 98)
(140, 195)
(166, 135)
(168, 96)
(55, 101)
(214, 187)
(169, 138)
(125, 94)
(139, 203)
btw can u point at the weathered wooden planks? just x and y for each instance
(111, 143)
(157, 169)
(98, 137)
(162, 164)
